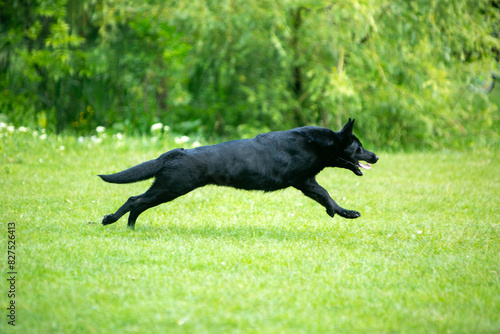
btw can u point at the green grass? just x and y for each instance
(423, 258)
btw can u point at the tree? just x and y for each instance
(235, 68)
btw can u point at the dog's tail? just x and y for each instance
(141, 172)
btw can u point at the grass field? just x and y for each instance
(423, 258)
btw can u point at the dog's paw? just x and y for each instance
(108, 220)
(331, 213)
(349, 214)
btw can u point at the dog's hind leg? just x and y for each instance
(165, 188)
(136, 205)
(313, 190)
(134, 213)
(112, 218)
(160, 192)
(151, 198)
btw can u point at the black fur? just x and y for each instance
(268, 162)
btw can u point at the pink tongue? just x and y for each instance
(367, 166)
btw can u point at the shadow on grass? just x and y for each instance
(239, 232)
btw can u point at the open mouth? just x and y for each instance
(357, 171)
(367, 166)
(355, 167)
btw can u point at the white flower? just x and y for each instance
(118, 136)
(22, 129)
(156, 127)
(43, 137)
(96, 140)
(100, 129)
(81, 140)
(196, 144)
(11, 128)
(166, 128)
(3, 125)
(62, 148)
(181, 140)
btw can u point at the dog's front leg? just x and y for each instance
(313, 190)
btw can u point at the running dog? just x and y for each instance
(268, 162)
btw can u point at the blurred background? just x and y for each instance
(414, 74)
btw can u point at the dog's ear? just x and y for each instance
(347, 129)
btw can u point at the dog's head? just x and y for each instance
(352, 152)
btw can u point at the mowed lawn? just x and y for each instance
(423, 258)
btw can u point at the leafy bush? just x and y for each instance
(411, 73)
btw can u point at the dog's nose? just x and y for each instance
(376, 158)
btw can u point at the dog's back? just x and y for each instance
(267, 162)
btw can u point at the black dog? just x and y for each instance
(268, 162)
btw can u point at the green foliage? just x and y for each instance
(411, 73)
